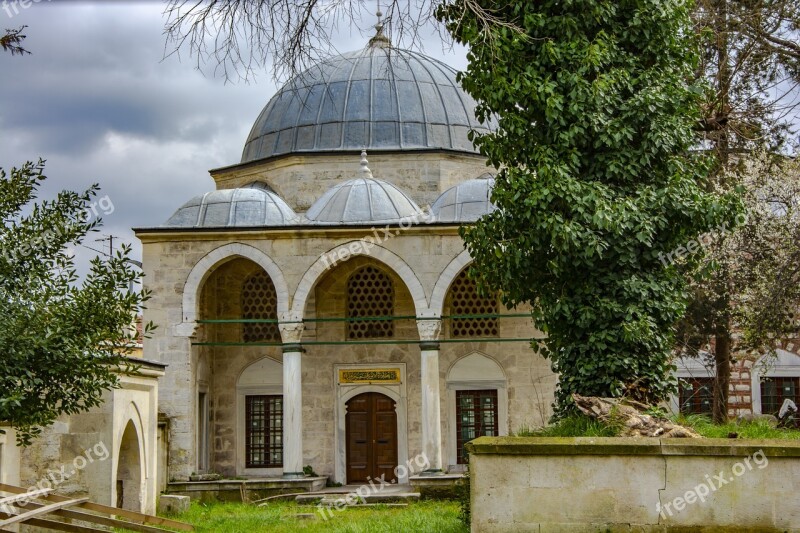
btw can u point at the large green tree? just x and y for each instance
(597, 183)
(63, 339)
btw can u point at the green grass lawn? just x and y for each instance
(434, 517)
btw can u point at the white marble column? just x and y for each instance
(291, 334)
(431, 404)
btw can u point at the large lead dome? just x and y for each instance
(378, 98)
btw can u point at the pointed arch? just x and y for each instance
(446, 278)
(199, 274)
(351, 249)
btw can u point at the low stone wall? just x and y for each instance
(643, 485)
(232, 490)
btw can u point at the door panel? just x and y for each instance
(371, 435)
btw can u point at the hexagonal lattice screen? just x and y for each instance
(465, 300)
(370, 292)
(259, 301)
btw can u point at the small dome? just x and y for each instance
(466, 202)
(363, 201)
(378, 98)
(253, 205)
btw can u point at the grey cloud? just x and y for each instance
(97, 101)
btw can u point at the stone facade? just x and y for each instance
(108, 453)
(194, 275)
(300, 179)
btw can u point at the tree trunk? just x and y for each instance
(722, 359)
(722, 350)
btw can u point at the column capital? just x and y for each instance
(429, 324)
(291, 327)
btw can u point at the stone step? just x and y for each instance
(330, 500)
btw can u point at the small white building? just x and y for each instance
(108, 453)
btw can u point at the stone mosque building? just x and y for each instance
(314, 308)
(314, 313)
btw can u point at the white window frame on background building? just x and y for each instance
(783, 365)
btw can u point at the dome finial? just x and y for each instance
(366, 173)
(379, 39)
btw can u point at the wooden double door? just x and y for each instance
(371, 435)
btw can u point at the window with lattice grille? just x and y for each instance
(370, 293)
(465, 300)
(259, 301)
(476, 416)
(263, 418)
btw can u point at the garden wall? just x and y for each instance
(623, 484)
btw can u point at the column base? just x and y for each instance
(293, 475)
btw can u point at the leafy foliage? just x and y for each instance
(63, 340)
(749, 276)
(596, 182)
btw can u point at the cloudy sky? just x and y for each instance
(98, 100)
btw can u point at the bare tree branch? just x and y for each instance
(12, 41)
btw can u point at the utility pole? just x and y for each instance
(110, 240)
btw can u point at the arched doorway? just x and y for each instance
(129, 471)
(371, 438)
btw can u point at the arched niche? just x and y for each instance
(263, 377)
(130, 470)
(475, 371)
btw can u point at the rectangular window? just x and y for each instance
(263, 431)
(476, 416)
(775, 390)
(696, 395)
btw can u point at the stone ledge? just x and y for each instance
(438, 487)
(632, 446)
(238, 489)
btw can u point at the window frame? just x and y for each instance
(779, 392)
(478, 394)
(268, 431)
(696, 398)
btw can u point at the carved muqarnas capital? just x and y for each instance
(429, 329)
(291, 328)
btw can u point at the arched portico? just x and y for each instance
(204, 267)
(347, 251)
